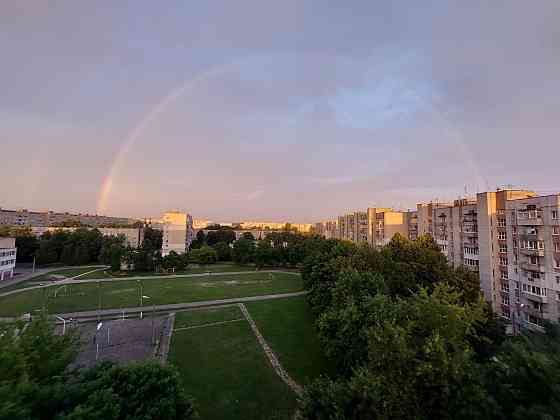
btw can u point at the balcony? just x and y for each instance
(530, 218)
(533, 252)
(531, 267)
(535, 298)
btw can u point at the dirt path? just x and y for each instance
(272, 358)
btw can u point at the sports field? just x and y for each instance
(226, 370)
(126, 293)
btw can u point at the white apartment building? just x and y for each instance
(8, 253)
(178, 232)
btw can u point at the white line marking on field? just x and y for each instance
(208, 325)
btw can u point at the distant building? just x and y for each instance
(178, 232)
(133, 236)
(8, 253)
(49, 218)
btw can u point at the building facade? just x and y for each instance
(49, 218)
(511, 238)
(8, 253)
(178, 232)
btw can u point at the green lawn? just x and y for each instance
(33, 281)
(126, 293)
(68, 272)
(206, 316)
(287, 326)
(225, 370)
(215, 268)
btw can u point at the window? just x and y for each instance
(503, 261)
(504, 275)
(534, 275)
(557, 263)
(555, 214)
(534, 260)
(556, 230)
(505, 299)
(557, 247)
(505, 287)
(503, 248)
(501, 222)
(502, 236)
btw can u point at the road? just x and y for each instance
(148, 278)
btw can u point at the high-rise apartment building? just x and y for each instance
(511, 238)
(383, 224)
(8, 253)
(528, 285)
(353, 227)
(178, 232)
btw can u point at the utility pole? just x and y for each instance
(98, 300)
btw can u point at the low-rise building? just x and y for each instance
(8, 253)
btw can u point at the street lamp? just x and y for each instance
(153, 317)
(141, 296)
(98, 300)
(63, 324)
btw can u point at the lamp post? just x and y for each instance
(153, 317)
(98, 300)
(63, 324)
(141, 296)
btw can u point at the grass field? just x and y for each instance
(287, 326)
(68, 272)
(206, 316)
(215, 268)
(126, 293)
(225, 370)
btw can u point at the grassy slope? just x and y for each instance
(125, 293)
(287, 326)
(226, 371)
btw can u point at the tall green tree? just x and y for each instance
(243, 251)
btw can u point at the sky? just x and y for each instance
(289, 110)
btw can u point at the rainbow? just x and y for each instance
(161, 106)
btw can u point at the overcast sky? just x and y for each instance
(274, 110)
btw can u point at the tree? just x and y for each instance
(67, 256)
(223, 251)
(243, 251)
(204, 255)
(116, 255)
(417, 362)
(152, 239)
(174, 261)
(248, 235)
(36, 382)
(146, 391)
(199, 240)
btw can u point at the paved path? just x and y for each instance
(272, 358)
(147, 278)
